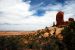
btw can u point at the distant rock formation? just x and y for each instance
(60, 20)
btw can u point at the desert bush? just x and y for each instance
(69, 36)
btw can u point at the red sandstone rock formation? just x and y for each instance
(60, 19)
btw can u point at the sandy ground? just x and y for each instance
(15, 33)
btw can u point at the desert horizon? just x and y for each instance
(37, 24)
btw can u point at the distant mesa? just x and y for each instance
(60, 20)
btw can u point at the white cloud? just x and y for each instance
(15, 12)
(7, 3)
(69, 10)
(18, 15)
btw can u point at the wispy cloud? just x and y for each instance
(16, 15)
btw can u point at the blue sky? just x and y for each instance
(28, 15)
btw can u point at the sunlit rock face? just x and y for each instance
(58, 31)
(55, 31)
(52, 30)
(46, 34)
(60, 37)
